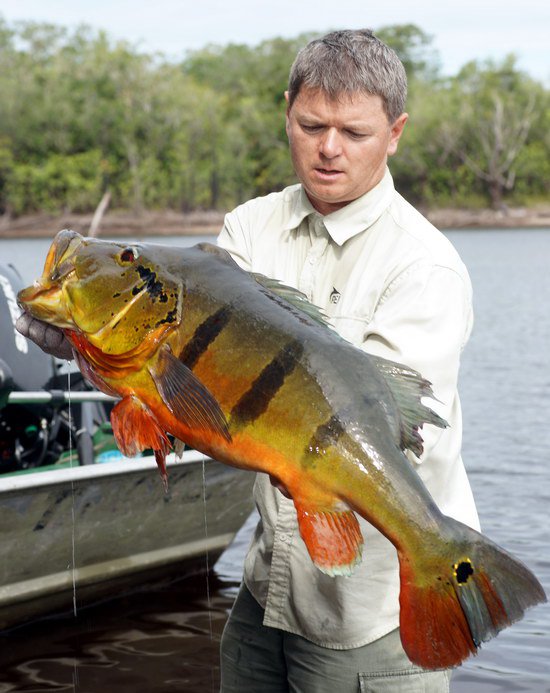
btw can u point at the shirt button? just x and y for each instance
(311, 260)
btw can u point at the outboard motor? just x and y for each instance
(31, 368)
(6, 383)
(36, 434)
(24, 429)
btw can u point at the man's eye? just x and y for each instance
(355, 135)
(311, 128)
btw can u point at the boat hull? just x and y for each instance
(71, 536)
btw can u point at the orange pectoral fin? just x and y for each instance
(135, 429)
(187, 398)
(333, 539)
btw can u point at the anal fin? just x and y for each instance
(136, 429)
(333, 539)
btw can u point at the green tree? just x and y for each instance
(498, 108)
(415, 50)
(81, 114)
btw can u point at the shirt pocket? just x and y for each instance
(405, 681)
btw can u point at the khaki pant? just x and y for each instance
(258, 659)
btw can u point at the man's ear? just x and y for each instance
(396, 132)
(287, 112)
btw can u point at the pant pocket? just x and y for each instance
(407, 681)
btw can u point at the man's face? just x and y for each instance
(339, 148)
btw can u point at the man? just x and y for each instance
(391, 284)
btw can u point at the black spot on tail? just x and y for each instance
(255, 401)
(204, 335)
(463, 571)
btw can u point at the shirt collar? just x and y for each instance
(301, 208)
(351, 219)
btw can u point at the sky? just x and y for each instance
(463, 30)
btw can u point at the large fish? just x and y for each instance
(244, 370)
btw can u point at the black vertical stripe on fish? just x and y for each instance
(255, 401)
(326, 435)
(204, 335)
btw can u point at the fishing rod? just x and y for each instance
(58, 397)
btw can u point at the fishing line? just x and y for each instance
(73, 558)
(73, 541)
(208, 599)
(75, 675)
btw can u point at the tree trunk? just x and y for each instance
(496, 193)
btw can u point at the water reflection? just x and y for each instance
(155, 642)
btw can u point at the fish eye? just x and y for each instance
(129, 255)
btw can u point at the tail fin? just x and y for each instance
(453, 601)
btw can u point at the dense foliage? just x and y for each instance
(81, 114)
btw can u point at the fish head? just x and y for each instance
(117, 295)
(43, 300)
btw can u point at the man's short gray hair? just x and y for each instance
(351, 61)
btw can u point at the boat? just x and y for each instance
(86, 532)
(78, 521)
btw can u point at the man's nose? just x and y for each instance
(331, 144)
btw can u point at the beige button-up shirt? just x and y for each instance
(393, 285)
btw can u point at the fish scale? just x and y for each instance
(245, 370)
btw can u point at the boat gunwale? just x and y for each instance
(121, 467)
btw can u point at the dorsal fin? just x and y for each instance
(220, 253)
(408, 387)
(289, 294)
(294, 297)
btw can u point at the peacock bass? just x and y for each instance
(245, 370)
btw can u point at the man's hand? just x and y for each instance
(50, 339)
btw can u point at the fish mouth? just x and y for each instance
(44, 300)
(45, 303)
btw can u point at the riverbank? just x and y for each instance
(116, 223)
(120, 223)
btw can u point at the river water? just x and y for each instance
(165, 638)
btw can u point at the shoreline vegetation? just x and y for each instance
(84, 118)
(122, 223)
